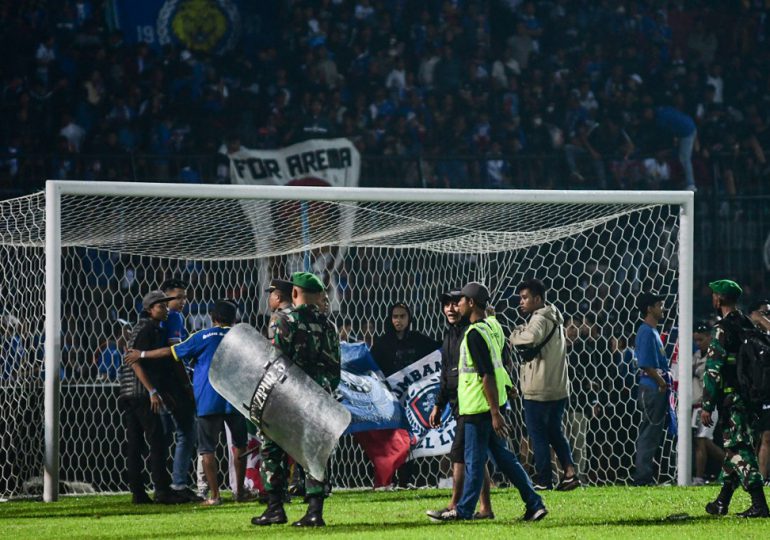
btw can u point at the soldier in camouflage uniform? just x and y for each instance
(720, 390)
(308, 339)
(279, 303)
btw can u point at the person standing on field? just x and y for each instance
(182, 422)
(213, 410)
(144, 394)
(544, 383)
(722, 392)
(704, 435)
(654, 383)
(309, 340)
(450, 359)
(482, 390)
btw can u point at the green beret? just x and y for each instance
(307, 281)
(726, 286)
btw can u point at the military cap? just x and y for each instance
(726, 286)
(280, 284)
(476, 291)
(307, 281)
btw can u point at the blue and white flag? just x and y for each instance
(365, 393)
(416, 387)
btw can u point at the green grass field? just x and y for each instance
(609, 512)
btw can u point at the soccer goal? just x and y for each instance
(78, 257)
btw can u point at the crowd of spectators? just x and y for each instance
(505, 82)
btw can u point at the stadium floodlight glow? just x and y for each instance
(100, 245)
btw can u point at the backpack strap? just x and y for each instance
(530, 353)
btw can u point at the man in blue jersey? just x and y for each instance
(213, 410)
(654, 382)
(182, 421)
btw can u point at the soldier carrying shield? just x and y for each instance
(310, 341)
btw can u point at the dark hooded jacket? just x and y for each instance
(450, 361)
(393, 354)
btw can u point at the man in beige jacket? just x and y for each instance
(544, 384)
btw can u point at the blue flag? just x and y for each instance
(365, 393)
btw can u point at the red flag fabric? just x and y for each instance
(387, 449)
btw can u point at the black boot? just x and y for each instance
(719, 506)
(314, 516)
(758, 508)
(274, 514)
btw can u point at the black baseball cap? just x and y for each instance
(476, 291)
(280, 284)
(647, 299)
(224, 310)
(450, 296)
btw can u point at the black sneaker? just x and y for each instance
(535, 514)
(449, 515)
(436, 513)
(479, 515)
(188, 494)
(542, 487)
(169, 497)
(568, 484)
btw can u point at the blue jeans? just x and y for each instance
(653, 405)
(545, 426)
(685, 157)
(480, 438)
(182, 425)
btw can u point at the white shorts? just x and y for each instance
(701, 431)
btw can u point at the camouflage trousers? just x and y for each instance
(740, 460)
(274, 471)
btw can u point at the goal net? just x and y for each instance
(373, 247)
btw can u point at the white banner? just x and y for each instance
(416, 387)
(332, 162)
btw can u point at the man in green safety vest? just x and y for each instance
(481, 392)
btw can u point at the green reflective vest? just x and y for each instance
(470, 389)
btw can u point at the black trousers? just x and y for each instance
(141, 422)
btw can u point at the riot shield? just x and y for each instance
(287, 405)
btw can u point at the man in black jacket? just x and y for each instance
(144, 393)
(397, 348)
(450, 358)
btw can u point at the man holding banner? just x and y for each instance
(481, 391)
(447, 395)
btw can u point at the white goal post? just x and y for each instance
(492, 236)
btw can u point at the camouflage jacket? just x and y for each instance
(278, 314)
(720, 379)
(309, 340)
